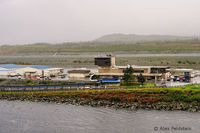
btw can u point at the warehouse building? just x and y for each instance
(10, 66)
(30, 72)
(48, 71)
(9, 70)
(4, 73)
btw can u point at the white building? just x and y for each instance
(28, 72)
(7, 70)
(32, 72)
(48, 71)
(79, 74)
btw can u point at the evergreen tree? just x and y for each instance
(141, 78)
(128, 75)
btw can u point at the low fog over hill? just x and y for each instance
(113, 43)
(133, 38)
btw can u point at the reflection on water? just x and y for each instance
(28, 117)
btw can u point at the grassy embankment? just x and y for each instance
(91, 49)
(176, 98)
(153, 47)
(17, 82)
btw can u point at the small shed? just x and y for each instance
(79, 74)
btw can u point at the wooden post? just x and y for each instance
(155, 81)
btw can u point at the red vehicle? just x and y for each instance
(182, 78)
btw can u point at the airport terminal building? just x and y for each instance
(107, 69)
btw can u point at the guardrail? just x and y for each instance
(70, 87)
(46, 87)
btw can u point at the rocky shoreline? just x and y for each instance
(183, 98)
(116, 105)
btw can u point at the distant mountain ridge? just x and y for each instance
(134, 38)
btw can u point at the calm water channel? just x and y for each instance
(28, 117)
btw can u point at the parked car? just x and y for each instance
(168, 79)
(182, 78)
(175, 78)
(47, 78)
(19, 77)
(187, 80)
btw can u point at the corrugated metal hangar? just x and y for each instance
(12, 70)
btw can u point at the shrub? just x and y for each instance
(29, 82)
(2, 80)
(115, 99)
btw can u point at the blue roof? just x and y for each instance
(110, 81)
(42, 67)
(11, 66)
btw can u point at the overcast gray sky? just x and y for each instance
(54, 21)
